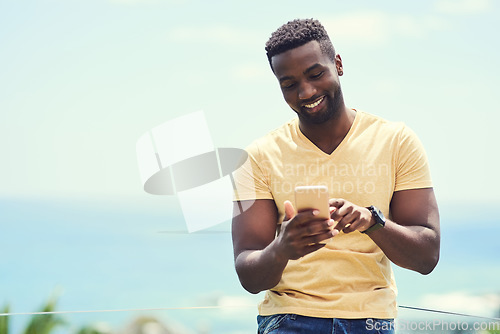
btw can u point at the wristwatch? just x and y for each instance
(379, 219)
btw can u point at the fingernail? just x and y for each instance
(331, 222)
(315, 212)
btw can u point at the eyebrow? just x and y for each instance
(309, 69)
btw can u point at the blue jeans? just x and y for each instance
(296, 324)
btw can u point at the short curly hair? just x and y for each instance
(297, 33)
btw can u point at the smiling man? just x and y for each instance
(330, 275)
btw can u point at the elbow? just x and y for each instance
(426, 270)
(250, 289)
(423, 264)
(429, 265)
(254, 283)
(255, 286)
(247, 281)
(251, 278)
(431, 258)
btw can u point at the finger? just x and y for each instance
(354, 226)
(347, 223)
(351, 221)
(359, 222)
(312, 229)
(340, 226)
(289, 210)
(318, 238)
(308, 217)
(332, 210)
(312, 248)
(342, 212)
(316, 227)
(336, 202)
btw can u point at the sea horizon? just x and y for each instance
(94, 256)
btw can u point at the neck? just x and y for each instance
(328, 135)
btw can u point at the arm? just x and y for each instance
(260, 257)
(411, 239)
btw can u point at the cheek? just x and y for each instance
(290, 102)
(288, 96)
(329, 82)
(334, 84)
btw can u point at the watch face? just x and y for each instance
(380, 214)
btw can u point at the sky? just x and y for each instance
(81, 81)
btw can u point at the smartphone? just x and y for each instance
(313, 197)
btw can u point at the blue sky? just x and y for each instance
(81, 81)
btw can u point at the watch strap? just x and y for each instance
(379, 220)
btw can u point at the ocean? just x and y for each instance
(127, 261)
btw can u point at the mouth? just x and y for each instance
(313, 105)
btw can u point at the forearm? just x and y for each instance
(260, 255)
(260, 270)
(411, 247)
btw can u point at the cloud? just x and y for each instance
(147, 2)
(361, 27)
(232, 302)
(229, 304)
(462, 302)
(251, 71)
(218, 34)
(377, 27)
(463, 6)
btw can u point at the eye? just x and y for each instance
(287, 84)
(317, 75)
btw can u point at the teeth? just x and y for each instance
(312, 105)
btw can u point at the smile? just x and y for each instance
(314, 104)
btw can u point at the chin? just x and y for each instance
(320, 117)
(316, 119)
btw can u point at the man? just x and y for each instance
(333, 275)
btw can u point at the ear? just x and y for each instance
(338, 65)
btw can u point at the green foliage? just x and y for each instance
(88, 330)
(4, 320)
(44, 323)
(493, 331)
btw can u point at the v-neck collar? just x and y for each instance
(311, 145)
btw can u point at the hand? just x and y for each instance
(350, 217)
(303, 232)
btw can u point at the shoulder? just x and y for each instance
(371, 120)
(382, 127)
(283, 135)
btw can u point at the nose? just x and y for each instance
(306, 91)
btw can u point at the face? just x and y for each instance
(309, 81)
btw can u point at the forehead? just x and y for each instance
(299, 59)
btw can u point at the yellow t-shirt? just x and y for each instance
(350, 277)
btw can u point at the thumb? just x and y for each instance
(289, 210)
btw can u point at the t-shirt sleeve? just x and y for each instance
(412, 167)
(251, 179)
